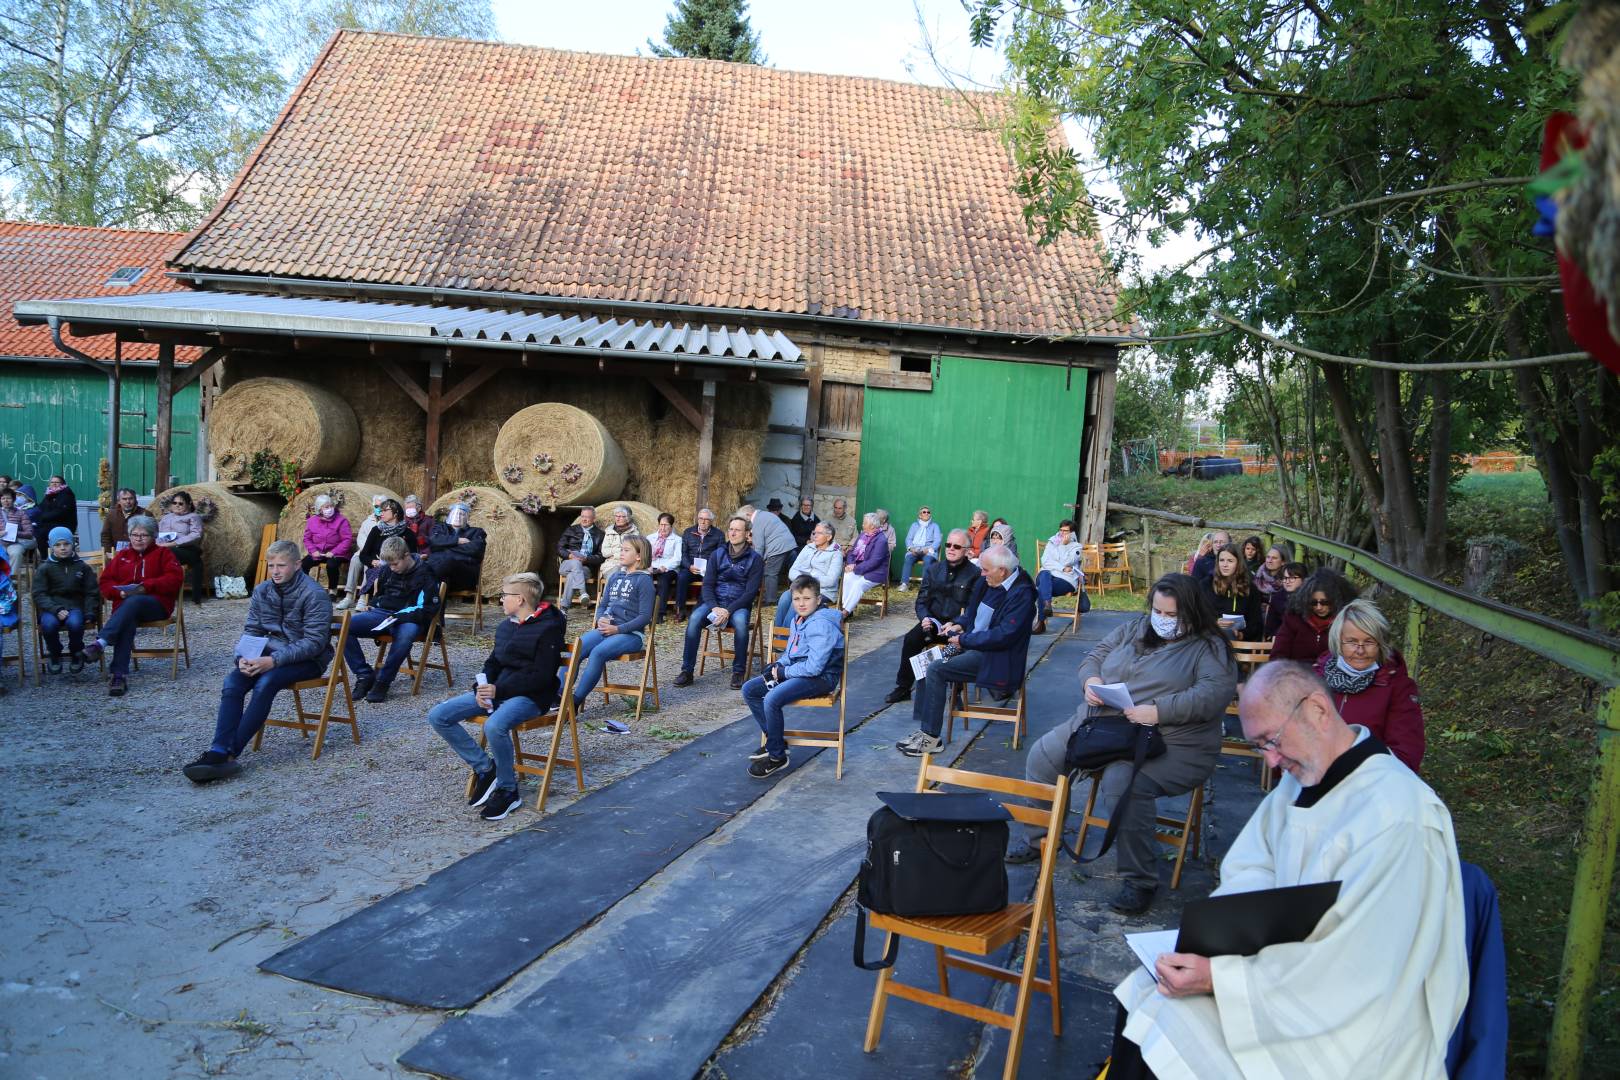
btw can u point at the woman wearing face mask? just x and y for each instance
(1233, 596)
(1369, 682)
(362, 539)
(418, 522)
(328, 539)
(1180, 672)
(1303, 635)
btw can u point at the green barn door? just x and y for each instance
(991, 435)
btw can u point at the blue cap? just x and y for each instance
(61, 533)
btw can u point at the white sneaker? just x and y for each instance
(344, 604)
(924, 744)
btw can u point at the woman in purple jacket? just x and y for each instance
(867, 564)
(329, 539)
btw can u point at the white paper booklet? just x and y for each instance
(700, 566)
(1115, 694)
(1149, 945)
(250, 647)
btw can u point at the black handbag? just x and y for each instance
(930, 855)
(1100, 741)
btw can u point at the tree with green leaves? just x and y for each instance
(1355, 172)
(710, 30)
(130, 113)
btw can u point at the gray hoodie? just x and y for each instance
(1191, 680)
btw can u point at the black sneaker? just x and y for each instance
(759, 755)
(378, 693)
(55, 665)
(897, 695)
(212, 765)
(76, 664)
(684, 679)
(93, 651)
(763, 767)
(1020, 850)
(483, 784)
(1132, 899)
(501, 801)
(736, 682)
(363, 685)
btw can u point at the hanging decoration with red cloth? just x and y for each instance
(1561, 167)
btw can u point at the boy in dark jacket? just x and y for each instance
(518, 683)
(405, 597)
(65, 597)
(730, 585)
(294, 616)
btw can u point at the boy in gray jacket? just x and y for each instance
(294, 615)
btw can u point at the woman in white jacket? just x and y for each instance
(1060, 572)
(666, 562)
(821, 559)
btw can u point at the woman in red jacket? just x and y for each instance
(142, 581)
(1303, 635)
(1369, 683)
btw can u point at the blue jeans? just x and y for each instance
(598, 648)
(1048, 585)
(694, 634)
(910, 560)
(767, 705)
(121, 624)
(447, 716)
(50, 628)
(363, 624)
(237, 725)
(928, 707)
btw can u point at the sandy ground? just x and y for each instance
(137, 905)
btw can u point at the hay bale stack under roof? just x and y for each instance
(296, 421)
(515, 542)
(559, 454)
(353, 501)
(232, 526)
(643, 514)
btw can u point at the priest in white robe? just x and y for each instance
(1378, 987)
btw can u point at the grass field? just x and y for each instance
(1511, 737)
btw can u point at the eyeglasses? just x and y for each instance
(1357, 646)
(1321, 601)
(924, 513)
(504, 595)
(957, 547)
(1269, 746)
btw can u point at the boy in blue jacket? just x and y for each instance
(809, 667)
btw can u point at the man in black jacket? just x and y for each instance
(402, 604)
(518, 682)
(802, 523)
(699, 542)
(580, 549)
(950, 590)
(456, 549)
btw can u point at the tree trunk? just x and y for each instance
(1361, 460)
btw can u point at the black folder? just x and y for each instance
(961, 806)
(1241, 924)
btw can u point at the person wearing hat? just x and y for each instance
(774, 542)
(922, 544)
(65, 597)
(456, 549)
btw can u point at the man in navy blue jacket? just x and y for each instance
(993, 648)
(729, 586)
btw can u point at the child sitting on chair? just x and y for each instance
(808, 667)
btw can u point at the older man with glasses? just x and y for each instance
(951, 589)
(698, 545)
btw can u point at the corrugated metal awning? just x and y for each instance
(422, 324)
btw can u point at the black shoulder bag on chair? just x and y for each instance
(1098, 742)
(931, 854)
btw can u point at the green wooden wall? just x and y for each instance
(992, 435)
(53, 419)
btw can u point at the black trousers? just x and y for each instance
(336, 568)
(459, 574)
(190, 556)
(683, 587)
(1125, 1059)
(663, 585)
(916, 640)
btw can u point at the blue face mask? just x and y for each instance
(1352, 672)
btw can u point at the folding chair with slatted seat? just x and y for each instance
(958, 708)
(587, 595)
(417, 664)
(713, 643)
(334, 682)
(540, 765)
(1179, 833)
(1114, 569)
(981, 935)
(174, 632)
(1091, 561)
(20, 658)
(878, 597)
(1250, 655)
(834, 700)
(92, 630)
(473, 597)
(648, 686)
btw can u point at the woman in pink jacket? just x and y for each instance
(329, 539)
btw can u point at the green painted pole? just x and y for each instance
(1589, 904)
(1414, 637)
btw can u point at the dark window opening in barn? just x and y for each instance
(922, 365)
(126, 275)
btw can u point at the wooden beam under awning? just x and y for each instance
(435, 401)
(678, 399)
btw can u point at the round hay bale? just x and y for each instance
(353, 500)
(515, 542)
(232, 526)
(560, 455)
(296, 421)
(643, 514)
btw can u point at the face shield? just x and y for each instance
(457, 517)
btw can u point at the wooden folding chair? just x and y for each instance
(1017, 715)
(475, 597)
(593, 585)
(417, 665)
(713, 643)
(92, 630)
(19, 631)
(981, 935)
(1114, 569)
(1091, 563)
(1251, 654)
(540, 765)
(261, 572)
(1179, 833)
(335, 680)
(648, 686)
(878, 597)
(174, 632)
(834, 700)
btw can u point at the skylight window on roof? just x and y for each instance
(126, 275)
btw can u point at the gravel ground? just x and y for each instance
(136, 904)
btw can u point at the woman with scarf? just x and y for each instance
(1268, 578)
(666, 563)
(65, 598)
(1303, 635)
(978, 531)
(613, 537)
(181, 531)
(1369, 682)
(418, 521)
(866, 566)
(1233, 597)
(58, 509)
(390, 518)
(328, 540)
(1289, 580)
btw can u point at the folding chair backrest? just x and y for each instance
(779, 642)
(570, 675)
(1055, 796)
(1251, 654)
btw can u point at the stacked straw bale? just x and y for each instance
(231, 534)
(559, 454)
(515, 542)
(645, 516)
(296, 421)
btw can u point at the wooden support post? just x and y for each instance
(435, 411)
(1094, 516)
(705, 446)
(1414, 637)
(165, 415)
(1147, 553)
(678, 399)
(116, 416)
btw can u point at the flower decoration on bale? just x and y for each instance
(512, 474)
(571, 473)
(542, 463)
